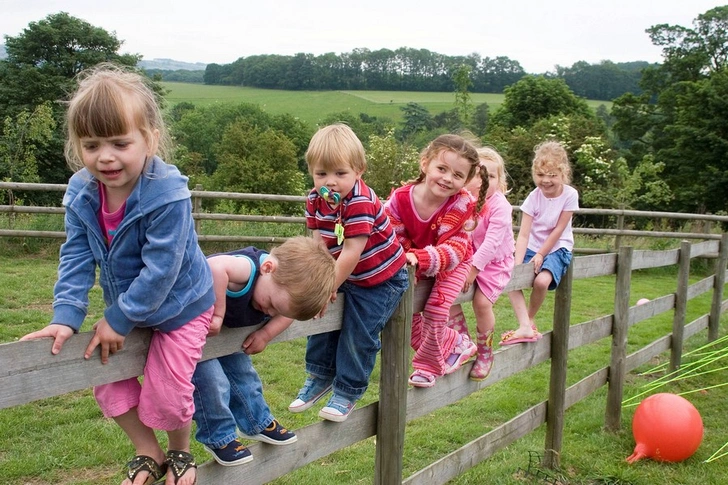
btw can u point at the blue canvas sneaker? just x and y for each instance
(275, 434)
(337, 409)
(233, 453)
(313, 389)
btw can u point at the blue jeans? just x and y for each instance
(347, 356)
(228, 393)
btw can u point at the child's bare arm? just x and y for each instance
(258, 340)
(522, 240)
(349, 258)
(227, 272)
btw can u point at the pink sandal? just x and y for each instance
(421, 378)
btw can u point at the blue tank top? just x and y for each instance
(239, 310)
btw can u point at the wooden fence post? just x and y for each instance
(618, 237)
(559, 358)
(718, 283)
(197, 208)
(392, 411)
(620, 325)
(681, 306)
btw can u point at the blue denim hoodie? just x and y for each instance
(153, 274)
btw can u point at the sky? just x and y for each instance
(538, 34)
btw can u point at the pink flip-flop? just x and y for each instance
(509, 339)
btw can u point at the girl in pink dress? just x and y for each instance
(493, 247)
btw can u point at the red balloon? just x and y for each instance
(666, 427)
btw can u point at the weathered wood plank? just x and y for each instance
(591, 266)
(617, 371)
(654, 259)
(557, 381)
(681, 306)
(30, 372)
(314, 442)
(700, 287)
(478, 450)
(395, 358)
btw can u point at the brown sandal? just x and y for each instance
(179, 463)
(144, 463)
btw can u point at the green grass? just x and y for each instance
(66, 440)
(314, 106)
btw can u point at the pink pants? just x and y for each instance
(165, 401)
(432, 339)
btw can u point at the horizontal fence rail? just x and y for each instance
(198, 195)
(29, 372)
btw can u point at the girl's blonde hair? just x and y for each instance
(111, 100)
(336, 146)
(551, 156)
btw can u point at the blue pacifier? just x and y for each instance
(329, 195)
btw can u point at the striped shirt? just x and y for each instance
(361, 214)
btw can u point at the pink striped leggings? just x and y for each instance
(432, 339)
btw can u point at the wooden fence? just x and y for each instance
(704, 222)
(29, 372)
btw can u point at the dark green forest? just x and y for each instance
(407, 69)
(662, 145)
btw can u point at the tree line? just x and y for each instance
(660, 148)
(407, 69)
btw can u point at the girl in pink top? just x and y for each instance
(431, 217)
(545, 237)
(493, 258)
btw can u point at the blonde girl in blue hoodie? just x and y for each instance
(129, 214)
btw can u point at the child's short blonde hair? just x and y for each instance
(111, 101)
(551, 156)
(336, 146)
(307, 271)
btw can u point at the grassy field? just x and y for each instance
(313, 106)
(65, 440)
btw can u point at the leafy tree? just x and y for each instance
(679, 120)
(534, 98)
(390, 163)
(416, 119)
(20, 140)
(258, 160)
(201, 130)
(44, 59)
(363, 125)
(463, 83)
(41, 65)
(479, 122)
(606, 80)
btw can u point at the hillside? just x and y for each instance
(172, 65)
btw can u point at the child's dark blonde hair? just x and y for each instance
(335, 146)
(489, 154)
(551, 156)
(307, 271)
(112, 101)
(457, 144)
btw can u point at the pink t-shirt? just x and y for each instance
(546, 213)
(493, 236)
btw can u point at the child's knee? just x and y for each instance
(542, 281)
